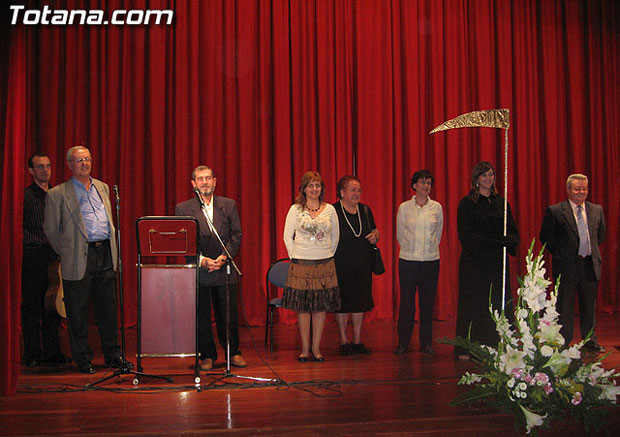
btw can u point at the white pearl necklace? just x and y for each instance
(359, 217)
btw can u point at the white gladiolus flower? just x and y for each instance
(470, 378)
(490, 350)
(528, 345)
(503, 327)
(572, 353)
(535, 298)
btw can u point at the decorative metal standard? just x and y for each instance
(494, 118)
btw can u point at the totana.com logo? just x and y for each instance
(93, 17)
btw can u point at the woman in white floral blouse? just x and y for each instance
(311, 235)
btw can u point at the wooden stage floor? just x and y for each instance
(381, 394)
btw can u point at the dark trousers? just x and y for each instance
(585, 286)
(216, 295)
(413, 276)
(38, 326)
(98, 284)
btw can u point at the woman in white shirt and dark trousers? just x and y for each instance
(311, 234)
(419, 224)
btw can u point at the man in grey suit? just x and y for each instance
(79, 227)
(222, 212)
(572, 231)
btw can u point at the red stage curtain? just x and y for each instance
(264, 90)
(13, 131)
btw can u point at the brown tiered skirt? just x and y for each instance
(311, 286)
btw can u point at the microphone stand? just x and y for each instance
(229, 262)
(125, 366)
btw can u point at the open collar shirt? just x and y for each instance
(93, 211)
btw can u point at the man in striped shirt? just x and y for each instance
(39, 328)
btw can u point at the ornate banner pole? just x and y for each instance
(494, 118)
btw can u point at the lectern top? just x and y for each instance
(167, 235)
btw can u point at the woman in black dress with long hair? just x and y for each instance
(480, 225)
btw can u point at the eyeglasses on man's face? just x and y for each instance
(81, 160)
(42, 166)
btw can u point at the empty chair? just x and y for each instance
(275, 277)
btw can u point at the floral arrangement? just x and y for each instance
(531, 373)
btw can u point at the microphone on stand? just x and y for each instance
(118, 199)
(197, 192)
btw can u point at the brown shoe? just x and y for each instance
(206, 364)
(238, 361)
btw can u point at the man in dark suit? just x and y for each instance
(79, 227)
(572, 231)
(222, 213)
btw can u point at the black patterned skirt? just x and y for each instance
(311, 286)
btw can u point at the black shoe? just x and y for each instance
(303, 359)
(359, 348)
(593, 346)
(400, 350)
(118, 363)
(32, 362)
(318, 358)
(346, 349)
(427, 350)
(86, 368)
(59, 358)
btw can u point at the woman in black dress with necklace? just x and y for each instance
(354, 260)
(480, 225)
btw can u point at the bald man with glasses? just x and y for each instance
(79, 226)
(573, 230)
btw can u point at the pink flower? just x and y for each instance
(541, 377)
(548, 388)
(577, 397)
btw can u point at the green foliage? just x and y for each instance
(531, 373)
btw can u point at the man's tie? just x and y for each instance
(584, 247)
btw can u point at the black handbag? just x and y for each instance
(378, 268)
